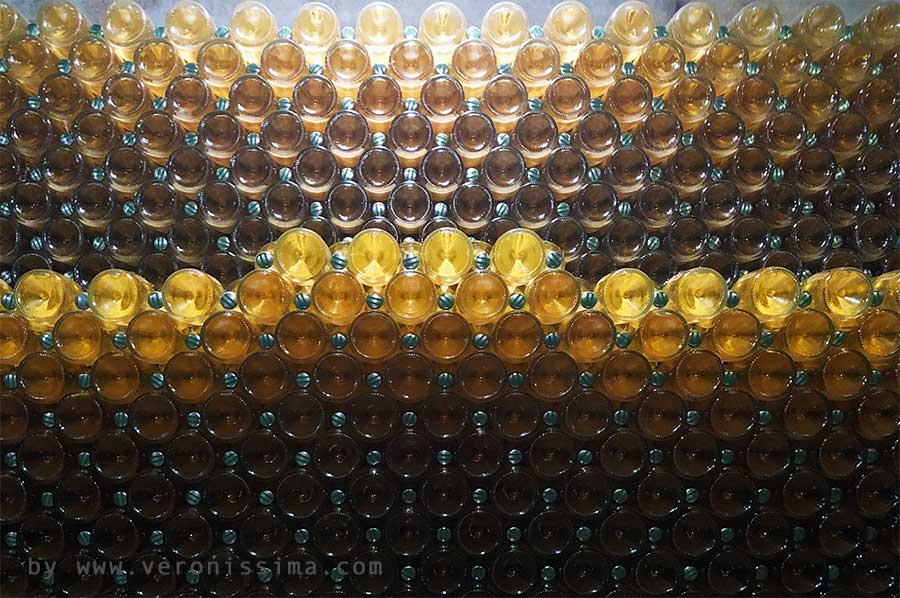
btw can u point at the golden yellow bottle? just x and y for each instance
(300, 255)
(694, 28)
(568, 26)
(662, 334)
(189, 25)
(848, 64)
(378, 27)
(808, 334)
(756, 27)
(79, 338)
(473, 64)
(410, 297)
(43, 296)
(888, 284)
(93, 62)
(734, 335)
(661, 64)
(724, 64)
(220, 63)
(589, 335)
(227, 336)
(505, 28)
(598, 63)
(12, 23)
(157, 63)
(481, 297)
(878, 336)
(446, 256)
(15, 339)
(116, 296)
(347, 64)
(536, 64)
(879, 29)
(630, 26)
(315, 28)
(698, 294)
(264, 296)
(60, 23)
(125, 27)
(252, 27)
(771, 294)
(373, 257)
(844, 294)
(153, 336)
(625, 295)
(819, 28)
(338, 297)
(553, 295)
(190, 295)
(786, 64)
(29, 61)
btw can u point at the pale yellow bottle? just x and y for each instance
(568, 27)
(631, 27)
(12, 23)
(756, 26)
(888, 284)
(694, 28)
(189, 25)
(190, 295)
(698, 294)
(844, 294)
(536, 64)
(505, 28)
(347, 64)
(116, 296)
(301, 255)
(442, 27)
(125, 26)
(43, 296)
(60, 23)
(252, 27)
(819, 28)
(446, 256)
(771, 294)
(625, 295)
(378, 27)
(316, 28)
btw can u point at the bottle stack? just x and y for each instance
(385, 309)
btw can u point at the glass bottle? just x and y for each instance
(60, 23)
(724, 63)
(125, 26)
(153, 336)
(535, 64)
(625, 295)
(156, 63)
(505, 28)
(443, 99)
(878, 336)
(536, 134)
(691, 99)
(754, 100)
(347, 64)
(11, 22)
(842, 293)
(337, 297)
(220, 63)
(786, 64)
(694, 28)
(567, 99)
(315, 100)
(627, 170)
(251, 99)
(189, 98)
(631, 27)
(379, 101)
(473, 64)
(378, 27)
(659, 136)
(878, 28)
(662, 335)
(282, 135)
(126, 99)
(93, 61)
(553, 296)
(264, 296)
(252, 27)
(504, 101)
(568, 26)
(847, 63)
(441, 172)
(15, 341)
(116, 296)
(62, 98)
(347, 134)
(596, 135)
(42, 296)
(158, 134)
(629, 100)
(410, 63)
(598, 63)
(662, 64)
(315, 170)
(282, 64)
(227, 336)
(189, 25)
(810, 238)
(315, 29)
(819, 28)
(756, 27)
(190, 296)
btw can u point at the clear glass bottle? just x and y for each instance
(93, 61)
(568, 26)
(473, 64)
(378, 27)
(819, 28)
(442, 27)
(316, 27)
(536, 63)
(157, 63)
